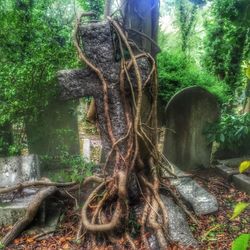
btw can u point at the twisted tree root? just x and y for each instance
(27, 184)
(30, 214)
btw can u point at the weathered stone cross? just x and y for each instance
(77, 83)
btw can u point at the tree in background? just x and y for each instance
(95, 6)
(186, 14)
(35, 39)
(180, 62)
(227, 36)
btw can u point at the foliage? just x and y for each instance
(227, 40)
(244, 166)
(35, 39)
(96, 6)
(238, 209)
(246, 67)
(186, 13)
(177, 72)
(232, 132)
(72, 167)
(242, 242)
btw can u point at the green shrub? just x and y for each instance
(71, 167)
(177, 72)
(232, 132)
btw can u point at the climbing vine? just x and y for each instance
(107, 209)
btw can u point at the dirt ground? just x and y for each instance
(220, 238)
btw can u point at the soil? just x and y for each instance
(220, 238)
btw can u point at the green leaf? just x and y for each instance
(244, 166)
(242, 242)
(222, 138)
(239, 208)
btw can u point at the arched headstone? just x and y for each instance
(187, 115)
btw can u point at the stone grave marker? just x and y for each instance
(86, 148)
(77, 83)
(14, 170)
(187, 115)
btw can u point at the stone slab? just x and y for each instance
(86, 148)
(242, 182)
(178, 229)
(12, 211)
(200, 200)
(234, 162)
(196, 196)
(14, 170)
(226, 172)
(17, 169)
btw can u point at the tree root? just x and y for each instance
(30, 214)
(106, 211)
(40, 183)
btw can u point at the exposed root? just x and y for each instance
(107, 210)
(30, 214)
(19, 187)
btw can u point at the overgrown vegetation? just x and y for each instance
(176, 72)
(35, 39)
(67, 167)
(227, 42)
(95, 6)
(40, 44)
(232, 132)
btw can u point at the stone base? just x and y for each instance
(226, 172)
(241, 181)
(11, 212)
(17, 169)
(193, 194)
(178, 228)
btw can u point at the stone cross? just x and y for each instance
(97, 40)
(77, 83)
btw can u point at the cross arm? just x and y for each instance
(77, 83)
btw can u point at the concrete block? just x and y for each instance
(226, 172)
(242, 182)
(17, 169)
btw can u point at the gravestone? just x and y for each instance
(86, 148)
(6, 138)
(55, 130)
(187, 115)
(17, 169)
(77, 83)
(14, 170)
